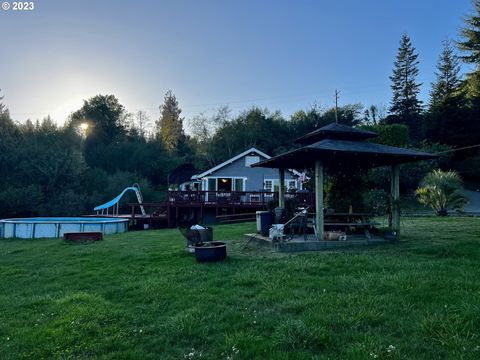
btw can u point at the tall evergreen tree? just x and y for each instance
(446, 122)
(2, 106)
(471, 36)
(470, 46)
(405, 105)
(8, 144)
(447, 82)
(170, 124)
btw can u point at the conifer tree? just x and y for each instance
(470, 46)
(445, 121)
(2, 106)
(471, 37)
(447, 83)
(405, 105)
(170, 124)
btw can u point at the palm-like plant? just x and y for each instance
(442, 190)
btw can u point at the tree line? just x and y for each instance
(48, 169)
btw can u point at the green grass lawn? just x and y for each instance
(139, 295)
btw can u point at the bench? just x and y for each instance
(345, 221)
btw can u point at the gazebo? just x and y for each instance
(340, 146)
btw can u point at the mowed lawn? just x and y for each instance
(139, 295)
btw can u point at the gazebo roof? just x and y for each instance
(334, 151)
(336, 131)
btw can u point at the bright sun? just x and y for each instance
(84, 126)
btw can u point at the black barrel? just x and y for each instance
(212, 251)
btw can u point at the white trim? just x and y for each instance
(225, 163)
(273, 185)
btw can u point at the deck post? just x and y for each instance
(319, 199)
(395, 197)
(281, 188)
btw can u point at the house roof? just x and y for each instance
(336, 131)
(230, 161)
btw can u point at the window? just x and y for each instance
(212, 184)
(292, 184)
(238, 185)
(268, 185)
(249, 160)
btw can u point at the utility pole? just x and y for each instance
(337, 92)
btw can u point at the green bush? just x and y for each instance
(376, 201)
(442, 190)
(392, 135)
(344, 189)
(21, 201)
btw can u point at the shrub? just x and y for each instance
(376, 201)
(442, 190)
(21, 201)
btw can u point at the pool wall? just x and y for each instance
(55, 227)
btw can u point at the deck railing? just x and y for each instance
(235, 198)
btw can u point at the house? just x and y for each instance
(236, 174)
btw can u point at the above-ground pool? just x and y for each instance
(49, 227)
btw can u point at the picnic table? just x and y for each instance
(347, 221)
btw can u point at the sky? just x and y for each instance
(283, 55)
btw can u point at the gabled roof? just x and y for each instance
(230, 161)
(336, 131)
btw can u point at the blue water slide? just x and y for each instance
(115, 201)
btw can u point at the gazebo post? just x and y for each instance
(281, 188)
(395, 196)
(319, 199)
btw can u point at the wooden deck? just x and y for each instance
(206, 205)
(223, 203)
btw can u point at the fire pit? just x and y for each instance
(211, 251)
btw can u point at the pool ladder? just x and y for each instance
(139, 198)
